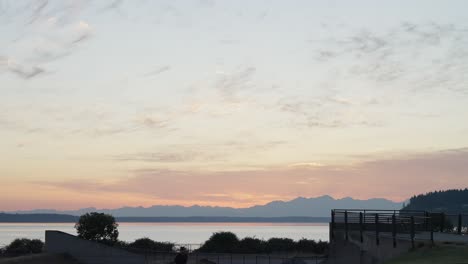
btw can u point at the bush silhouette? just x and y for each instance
(251, 245)
(225, 242)
(280, 245)
(97, 227)
(306, 245)
(23, 246)
(148, 244)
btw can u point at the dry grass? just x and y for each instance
(442, 254)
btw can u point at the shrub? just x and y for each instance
(322, 247)
(226, 242)
(306, 245)
(36, 246)
(280, 245)
(251, 245)
(23, 246)
(221, 242)
(148, 244)
(97, 227)
(121, 244)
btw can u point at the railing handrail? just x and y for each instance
(379, 210)
(405, 211)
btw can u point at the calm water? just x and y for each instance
(193, 233)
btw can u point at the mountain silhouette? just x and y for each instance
(303, 207)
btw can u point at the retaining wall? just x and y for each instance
(88, 252)
(368, 252)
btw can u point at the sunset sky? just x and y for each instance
(230, 103)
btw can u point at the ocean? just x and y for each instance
(179, 233)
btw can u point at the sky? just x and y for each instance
(230, 103)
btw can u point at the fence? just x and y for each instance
(152, 257)
(189, 247)
(400, 224)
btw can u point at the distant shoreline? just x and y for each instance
(60, 218)
(198, 219)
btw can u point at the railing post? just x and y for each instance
(432, 230)
(361, 229)
(459, 228)
(412, 231)
(332, 231)
(426, 220)
(243, 259)
(377, 239)
(364, 222)
(394, 231)
(346, 224)
(442, 222)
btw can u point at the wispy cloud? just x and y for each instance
(401, 54)
(184, 154)
(165, 157)
(25, 72)
(152, 122)
(83, 32)
(326, 112)
(51, 34)
(231, 84)
(158, 71)
(113, 5)
(37, 10)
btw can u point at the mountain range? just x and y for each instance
(299, 207)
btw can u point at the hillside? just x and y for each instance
(450, 201)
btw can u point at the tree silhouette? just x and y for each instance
(97, 227)
(449, 201)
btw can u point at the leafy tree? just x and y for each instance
(97, 227)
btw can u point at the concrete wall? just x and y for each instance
(385, 250)
(88, 252)
(368, 252)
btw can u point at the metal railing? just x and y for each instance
(399, 223)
